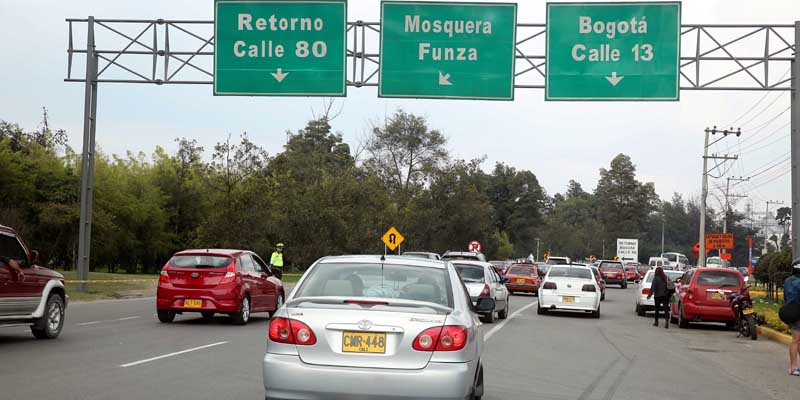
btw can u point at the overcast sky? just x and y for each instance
(558, 141)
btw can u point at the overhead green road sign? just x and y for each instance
(280, 48)
(447, 50)
(613, 51)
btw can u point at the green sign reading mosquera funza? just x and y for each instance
(280, 48)
(447, 50)
(613, 51)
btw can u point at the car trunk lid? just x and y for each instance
(347, 334)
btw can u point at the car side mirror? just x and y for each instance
(484, 305)
(277, 273)
(35, 259)
(503, 279)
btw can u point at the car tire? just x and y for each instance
(165, 316)
(640, 311)
(540, 310)
(624, 285)
(241, 317)
(207, 315)
(477, 391)
(278, 304)
(50, 324)
(596, 313)
(503, 314)
(682, 322)
(488, 318)
(603, 296)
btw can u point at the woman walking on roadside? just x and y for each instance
(660, 290)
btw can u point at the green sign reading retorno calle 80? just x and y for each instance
(280, 48)
(613, 51)
(447, 50)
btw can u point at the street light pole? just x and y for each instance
(795, 106)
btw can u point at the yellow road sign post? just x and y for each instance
(392, 238)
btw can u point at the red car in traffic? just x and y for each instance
(522, 278)
(233, 282)
(702, 296)
(631, 273)
(613, 273)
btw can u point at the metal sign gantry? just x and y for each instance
(719, 57)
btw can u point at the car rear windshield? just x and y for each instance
(566, 272)
(557, 261)
(718, 278)
(470, 273)
(671, 275)
(610, 265)
(377, 281)
(671, 257)
(199, 261)
(522, 271)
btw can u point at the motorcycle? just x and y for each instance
(742, 307)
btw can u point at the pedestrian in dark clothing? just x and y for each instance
(660, 290)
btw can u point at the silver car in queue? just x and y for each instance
(373, 327)
(482, 280)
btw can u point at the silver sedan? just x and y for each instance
(372, 327)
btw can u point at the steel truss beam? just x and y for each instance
(713, 57)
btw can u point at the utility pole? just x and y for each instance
(766, 223)
(728, 196)
(662, 232)
(795, 105)
(701, 258)
(537, 249)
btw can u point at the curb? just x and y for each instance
(774, 335)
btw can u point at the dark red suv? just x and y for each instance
(234, 282)
(702, 296)
(29, 294)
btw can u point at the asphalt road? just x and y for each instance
(119, 350)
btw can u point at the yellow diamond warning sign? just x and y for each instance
(392, 238)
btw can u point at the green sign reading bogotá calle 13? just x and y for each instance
(447, 50)
(280, 48)
(613, 51)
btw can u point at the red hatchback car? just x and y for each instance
(234, 282)
(702, 296)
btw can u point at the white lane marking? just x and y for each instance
(499, 326)
(106, 320)
(147, 360)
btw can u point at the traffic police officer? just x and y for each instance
(277, 256)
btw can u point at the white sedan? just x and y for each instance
(569, 288)
(643, 304)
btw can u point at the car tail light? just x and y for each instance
(646, 291)
(163, 277)
(486, 292)
(550, 286)
(446, 338)
(284, 330)
(588, 288)
(230, 274)
(690, 294)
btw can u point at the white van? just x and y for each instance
(677, 261)
(658, 262)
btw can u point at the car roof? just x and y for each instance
(7, 229)
(419, 252)
(221, 252)
(387, 260)
(461, 253)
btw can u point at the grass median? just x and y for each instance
(126, 285)
(770, 312)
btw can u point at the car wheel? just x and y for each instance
(50, 324)
(640, 311)
(682, 322)
(603, 296)
(241, 317)
(624, 285)
(207, 315)
(596, 313)
(165, 316)
(503, 314)
(488, 318)
(540, 310)
(477, 391)
(278, 305)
